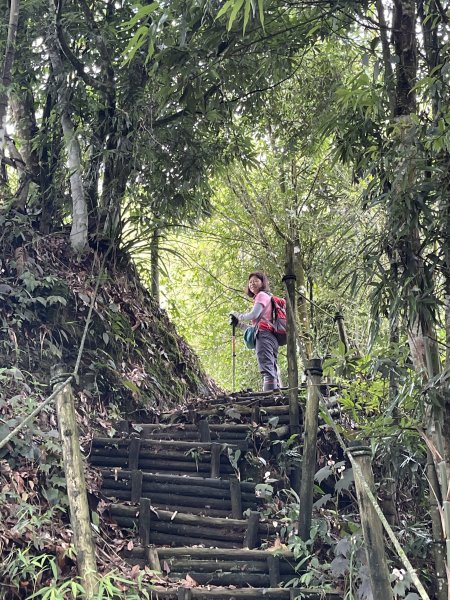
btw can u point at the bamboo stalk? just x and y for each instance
(371, 525)
(76, 485)
(289, 281)
(401, 553)
(339, 319)
(314, 372)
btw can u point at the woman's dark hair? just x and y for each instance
(262, 278)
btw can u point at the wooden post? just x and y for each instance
(133, 453)
(236, 498)
(251, 539)
(314, 373)
(153, 559)
(123, 428)
(371, 525)
(204, 431)
(256, 413)
(216, 450)
(339, 318)
(144, 521)
(136, 485)
(273, 564)
(76, 486)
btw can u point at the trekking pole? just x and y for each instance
(233, 353)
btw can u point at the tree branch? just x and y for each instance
(102, 46)
(74, 60)
(7, 67)
(441, 11)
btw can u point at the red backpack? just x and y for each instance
(278, 324)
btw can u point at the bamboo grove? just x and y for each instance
(312, 134)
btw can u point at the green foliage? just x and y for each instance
(233, 7)
(288, 455)
(282, 122)
(21, 567)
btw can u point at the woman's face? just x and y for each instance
(254, 285)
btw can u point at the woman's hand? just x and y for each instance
(234, 318)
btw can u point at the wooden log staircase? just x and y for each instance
(183, 485)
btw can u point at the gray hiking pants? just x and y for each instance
(267, 355)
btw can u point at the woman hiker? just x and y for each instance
(261, 315)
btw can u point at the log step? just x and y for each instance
(218, 566)
(237, 532)
(126, 475)
(216, 497)
(119, 444)
(231, 433)
(207, 459)
(228, 555)
(160, 593)
(228, 410)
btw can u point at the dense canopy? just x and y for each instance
(152, 154)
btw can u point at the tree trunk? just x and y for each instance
(404, 36)
(388, 73)
(302, 308)
(49, 153)
(79, 231)
(291, 333)
(104, 126)
(291, 348)
(22, 108)
(117, 170)
(155, 264)
(7, 68)
(417, 280)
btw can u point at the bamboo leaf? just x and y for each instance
(135, 43)
(261, 12)
(236, 8)
(225, 8)
(143, 12)
(248, 6)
